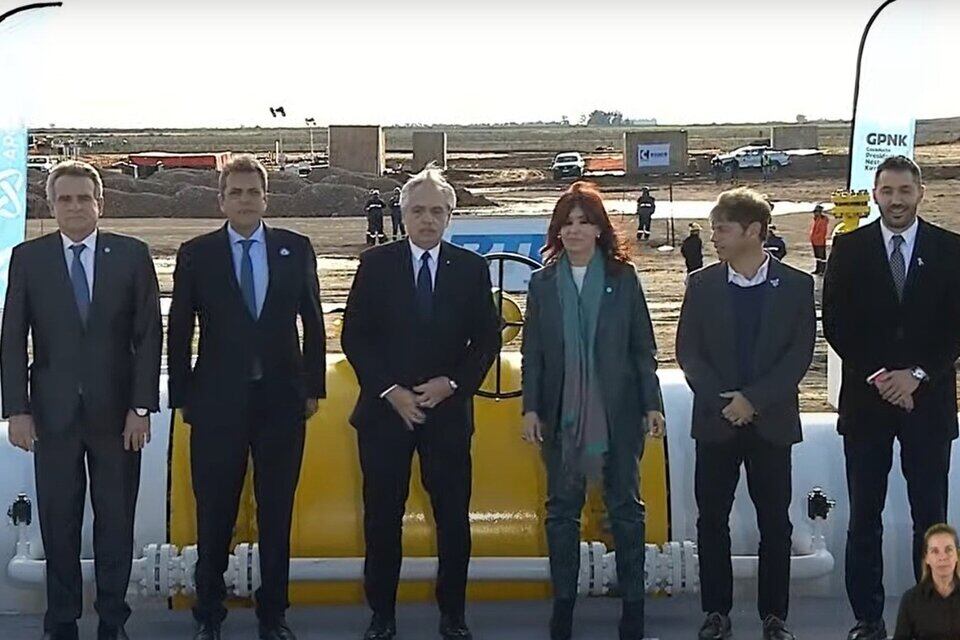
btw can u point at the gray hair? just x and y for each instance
(432, 176)
(77, 169)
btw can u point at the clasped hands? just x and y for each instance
(409, 404)
(896, 387)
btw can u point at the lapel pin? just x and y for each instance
(919, 261)
(775, 282)
(106, 249)
(284, 251)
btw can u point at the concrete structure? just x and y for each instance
(429, 146)
(794, 136)
(655, 152)
(357, 148)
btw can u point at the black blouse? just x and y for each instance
(926, 615)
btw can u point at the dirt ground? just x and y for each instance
(338, 242)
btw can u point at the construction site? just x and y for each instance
(498, 171)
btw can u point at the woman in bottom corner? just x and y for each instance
(931, 609)
(590, 395)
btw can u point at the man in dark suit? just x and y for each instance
(89, 300)
(891, 310)
(421, 331)
(744, 341)
(252, 388)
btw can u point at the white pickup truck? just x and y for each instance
(749, 158)
(568, 164)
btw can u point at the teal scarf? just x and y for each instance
(583, 421)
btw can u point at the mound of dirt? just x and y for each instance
(129, 184)
(183, 177)
(195, 202)
(37, 206)
(330, 200)
(120, 204)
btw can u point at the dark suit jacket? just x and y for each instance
(870, 328)
(625, 352)
(214, 390)
(114, 361)
(387, 344)
(706, 351)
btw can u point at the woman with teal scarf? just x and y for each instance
(590, 395)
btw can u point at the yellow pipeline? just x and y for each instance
(507, 509)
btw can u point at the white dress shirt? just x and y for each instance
(416, 255)
(87, 256)
(417, 252)
(258, 256)
(743, 281)
(909, 242)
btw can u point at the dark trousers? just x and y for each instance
(566, 492)
(374, 225)
(63, 462)
(820, 253)
(643, 222)
(925, 463)
(273, 436)
(396, 220)
(386, 452)
(769, 482)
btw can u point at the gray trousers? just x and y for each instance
(621, 494)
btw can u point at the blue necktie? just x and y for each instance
(78, 278)
(424, 288)
(246, 279)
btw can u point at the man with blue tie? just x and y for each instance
(891, 310)
(252, 388)
(420, 331)
(89, 301)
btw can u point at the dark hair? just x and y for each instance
(938, 529)
(584, 195)
(899, 163)
(743, 206)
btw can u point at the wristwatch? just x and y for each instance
(919, 374)
(140, 411)
(453, 385)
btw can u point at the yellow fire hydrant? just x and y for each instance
(849, 207)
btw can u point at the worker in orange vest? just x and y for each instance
(818, 239)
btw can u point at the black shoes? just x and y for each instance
(868, 631)
(631, 621)
(561, 621)
(775, 629)
(276, 631)
(207, 631)
(381, 628)
(107, 632)
(66, 631)
(715, 627)
(454, 628)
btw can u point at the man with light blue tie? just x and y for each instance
(252, 388)
(80, 401)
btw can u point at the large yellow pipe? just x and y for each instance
(507, 509)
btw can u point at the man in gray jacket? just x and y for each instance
(744, 341)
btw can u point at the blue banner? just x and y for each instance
(13, 197)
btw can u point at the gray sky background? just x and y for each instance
(113, 63)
